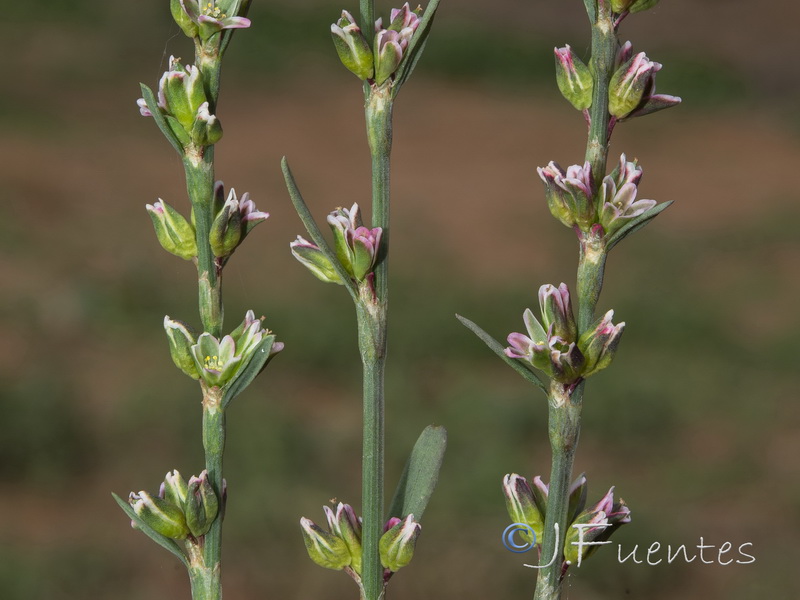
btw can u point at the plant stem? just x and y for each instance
(565, 405)
(205, 573)
(564, 430)
(371, 311)
(214, 446)
(604, 52)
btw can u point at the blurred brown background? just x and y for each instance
(697, 424)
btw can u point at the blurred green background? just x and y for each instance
(697, 424)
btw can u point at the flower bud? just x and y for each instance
(574, 78)
(314, 260)
(556, 310)
(173, 231)
(201, 505)
(174, 489)
(598, 524)
(181, 339)
(632, 89)
(182, 89)
(521, 505)
(388, 54)
(570, 194)
(160, 515)
(206, 130)
(324, 548)
(352, 47)
(226, 229)
(599, 344)
(347, 526)
(397, 544)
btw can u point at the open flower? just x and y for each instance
(218, 361)
(207, 18)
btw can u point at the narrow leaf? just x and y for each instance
(519, 366)
(311, 226)
(636, 224)
(249, 372)
(161, 122)
(420, 475)
(367, 8)
(159, 539)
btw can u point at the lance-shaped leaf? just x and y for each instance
(635, 224)
(520, 367)
(420, 474)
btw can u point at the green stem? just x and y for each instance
(604, 53)
(564, 430)
(214, 446)
(204, 580)
(565, 404)
(199, 167)
(371, 311)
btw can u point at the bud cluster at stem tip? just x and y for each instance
(183, 103)
(552, 346)
(379, 63)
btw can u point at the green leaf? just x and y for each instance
(420, 475)
(159, 539)
(591, 10)
(519, 366)
(258, 360)
(161, 122)
(636, 224)
(415, 47)
(311, 226)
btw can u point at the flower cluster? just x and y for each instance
(355, 245)
(574, 198)
(380, 63)
(527, 504)
(183, 103)
(217, 362)
(552, 345)
(339, 547)
(180, 509)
